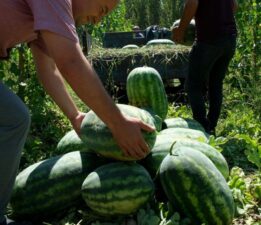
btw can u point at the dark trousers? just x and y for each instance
(208, 63)
(14, 126)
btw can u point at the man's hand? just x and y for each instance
(77, 121)
(177, 35)
(190, 9)
(129, 137)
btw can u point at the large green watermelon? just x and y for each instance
(182, 123)
(213, 154)
(196, 188)
(118, 188)
(52, 185)
(98, 137)
(71, 142)
(130, 46)
(164, 143)
(158, 42)
(177, 133)
(145, 89)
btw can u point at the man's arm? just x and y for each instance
(79, 74)
(50, 77)
(189, 12)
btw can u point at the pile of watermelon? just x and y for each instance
(92, 170)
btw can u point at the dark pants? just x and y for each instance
(208, 65)
(14, 126)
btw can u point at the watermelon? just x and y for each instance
(196, 188)
(164, 144)
(179, 122)
(118, 188)
(157, 42)
(160, 149)
(130, 46)
(145, 89)
(99, 138)
(213, 154)
(157, 120)
(71, 142)
(177, 133)
(52, 185)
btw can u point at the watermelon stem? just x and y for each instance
(171, 147)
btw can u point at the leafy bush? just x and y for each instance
(244, 73)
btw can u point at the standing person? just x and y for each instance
(49, 29)
(211, 53)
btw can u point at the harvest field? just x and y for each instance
(188, 177)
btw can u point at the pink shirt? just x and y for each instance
(20, 21)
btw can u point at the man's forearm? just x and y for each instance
(55, 87)
(79, 74)
(189, 12)
(53, 82)
(87, 85)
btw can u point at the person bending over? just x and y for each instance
(49, 28)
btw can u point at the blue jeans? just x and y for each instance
(208, 63)
(14, 126)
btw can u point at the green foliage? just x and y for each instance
(245, 67)
(246, 191)
(241, 128)
(172, 8)
(183, 111)
(147, 216)
(154, 12)
(234, 150)
(137, 12)
(240, 120)
(115, 21)
(253, 149)
(170, 217)
(149, 12)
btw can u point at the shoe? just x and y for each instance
(12, 222)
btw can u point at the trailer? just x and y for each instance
(113, 62)
(113, 66)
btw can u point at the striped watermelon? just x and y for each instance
(130, 46)
(160, 149)
(71, 142)
(145, 89)
(99, 138)
(194, 186)
(213, 154)
(157, 42)
(118, 188)
(52, 185)
(178, 133)
(163, 145)
(179, 122)
(157, 120)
